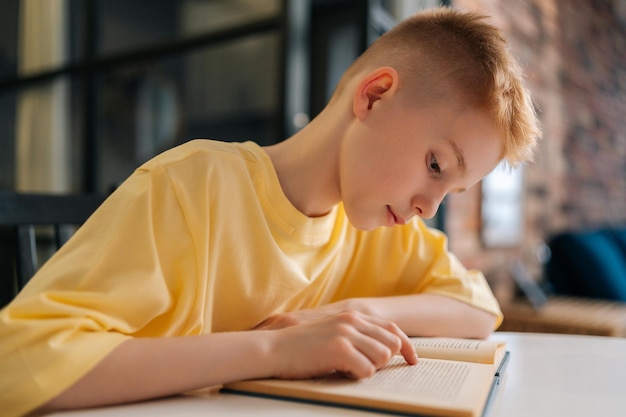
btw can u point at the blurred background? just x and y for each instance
(90, 89)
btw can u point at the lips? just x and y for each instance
(396, 218)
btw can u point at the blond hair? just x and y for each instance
(451, 54)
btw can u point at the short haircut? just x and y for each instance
(445, 53)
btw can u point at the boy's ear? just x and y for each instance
(372, 88)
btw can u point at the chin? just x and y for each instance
(364, 226)
(361, 221)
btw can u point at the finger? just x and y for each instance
(408, 350)
(394, 338)
(378, 340)
(361, 346)
(353, 363)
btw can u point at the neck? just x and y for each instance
(307, 165)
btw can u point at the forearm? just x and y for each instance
(428, 315)
(148, 368)
(347, 342)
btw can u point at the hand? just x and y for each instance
(352, 343)
(293, 318)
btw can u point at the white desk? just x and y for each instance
(548, 375)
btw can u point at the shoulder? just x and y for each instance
(202, 160)
(202, 169)
(206, 151)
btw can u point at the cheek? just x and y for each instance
(359, 164)
(382, 163)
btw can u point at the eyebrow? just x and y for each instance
(459, 156)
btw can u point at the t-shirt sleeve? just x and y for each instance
(412, 259)
(444, 274)
(118, 277)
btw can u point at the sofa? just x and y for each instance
(588, 263)
(585, 282)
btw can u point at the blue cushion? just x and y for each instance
(588, 264)
(620, 237)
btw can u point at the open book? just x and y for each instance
(453, 377)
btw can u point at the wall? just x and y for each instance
(574, 56)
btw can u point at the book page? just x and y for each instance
(429, 379)
(434, 387)
(468, 350)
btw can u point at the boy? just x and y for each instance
(217, 262)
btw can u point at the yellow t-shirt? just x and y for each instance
(201, 239)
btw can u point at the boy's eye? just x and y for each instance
(434, 165)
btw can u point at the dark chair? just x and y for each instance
(28, 221)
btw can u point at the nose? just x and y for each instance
(427, 206)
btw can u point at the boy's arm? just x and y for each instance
(141, 368)
(430, 315)
(415, 314)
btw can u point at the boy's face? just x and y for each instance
(400, 161)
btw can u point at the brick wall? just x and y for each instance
(574, 56)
